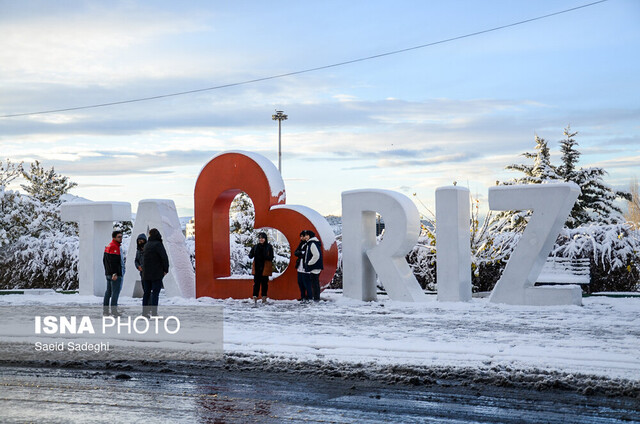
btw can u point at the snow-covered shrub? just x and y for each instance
(49, 261)
(37, 249)
(489, 256)
(16, 213)
(422, 260)
(613, 251)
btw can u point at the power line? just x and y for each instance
(304, 71)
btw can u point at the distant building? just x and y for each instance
(190, 229)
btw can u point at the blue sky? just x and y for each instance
(459, 111)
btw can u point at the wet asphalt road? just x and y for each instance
(50, 395)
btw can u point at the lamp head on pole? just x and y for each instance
(279, 116)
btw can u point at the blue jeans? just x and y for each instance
(304, 283)
(113, 291)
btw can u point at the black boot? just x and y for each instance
(105, 311)
(146, 311)
(115, 312)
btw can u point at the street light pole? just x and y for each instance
(279, 116)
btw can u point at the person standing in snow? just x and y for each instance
(114, 270)
(155, 265)
(304, 283)
(262, 268)
(140, 242)
(313, 262)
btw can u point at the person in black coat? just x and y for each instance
(155, 265)
(261, 253)
(304, 282)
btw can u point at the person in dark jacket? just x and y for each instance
(313, 262)
(155, 265)
(113, 270)
(304, 283)
(140, 242)
(261, 253)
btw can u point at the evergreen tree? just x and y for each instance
(570, 155)
(47, 186)
(596, 202)
(244, 236)
(538, 172)
(38, 248)
(241, 219)
(567, 171)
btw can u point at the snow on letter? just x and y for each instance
(161, 214)
(95, 224)
(551, 205)
(362, 258)
(453, 251)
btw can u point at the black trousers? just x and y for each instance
(260, 282)
(150, 297)
(315, 285)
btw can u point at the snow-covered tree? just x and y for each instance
(37, 249)
(47, 186)
(9, 171)
(241, 219)
(538, 172)
(596, 203)
(244, 236)
(15, 215)
(570, 155)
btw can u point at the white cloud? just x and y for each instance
(88, 46)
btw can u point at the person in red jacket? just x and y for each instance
(114, 270)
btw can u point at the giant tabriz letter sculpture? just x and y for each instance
(95, 224)
(161, 214)
(225, 176)
(362, 258)
(551, 205)
(453, 253)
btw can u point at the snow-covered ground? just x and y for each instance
(601, 338)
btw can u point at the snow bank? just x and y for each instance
(601, 338)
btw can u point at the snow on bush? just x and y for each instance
(47, 262)
(37, 249)
(422, 260)
(613, 251)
